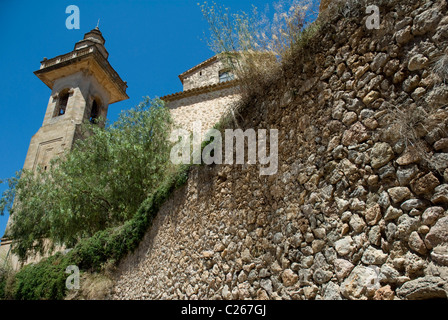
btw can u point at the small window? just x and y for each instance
(225, 75)
(62, 104)
(200, 73)
(94, 113)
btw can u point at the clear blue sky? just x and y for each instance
(149, 43)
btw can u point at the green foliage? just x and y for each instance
(2, 284)
(6, 275)
(46, 279)
(99, 184)
(7, 199)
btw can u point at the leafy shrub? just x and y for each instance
(46, 279)
(2, 284)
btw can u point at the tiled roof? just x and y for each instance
(195, 91)
(202, 64)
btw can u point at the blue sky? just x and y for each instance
(149, 43)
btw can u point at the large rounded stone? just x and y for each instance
(429, 287)
(361, 284)
(438, 234)
(289, 277)
(381, 154)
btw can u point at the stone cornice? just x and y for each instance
(73, 58)
(5, 241)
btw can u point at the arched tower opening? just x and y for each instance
(62, 102)
(95, 111)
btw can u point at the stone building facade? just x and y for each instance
(83, 84)
(209, 89)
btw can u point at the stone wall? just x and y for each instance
(208, 107)
(358, 208)
(205, 75)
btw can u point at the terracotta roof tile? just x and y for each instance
(195, 91)
(196, 67)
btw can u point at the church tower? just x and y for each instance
(82, 84)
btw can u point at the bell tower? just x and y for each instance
(83, 84)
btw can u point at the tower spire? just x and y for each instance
(98, 24)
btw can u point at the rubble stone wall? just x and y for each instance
(206, 75)
(207, 107)
(358, 207)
